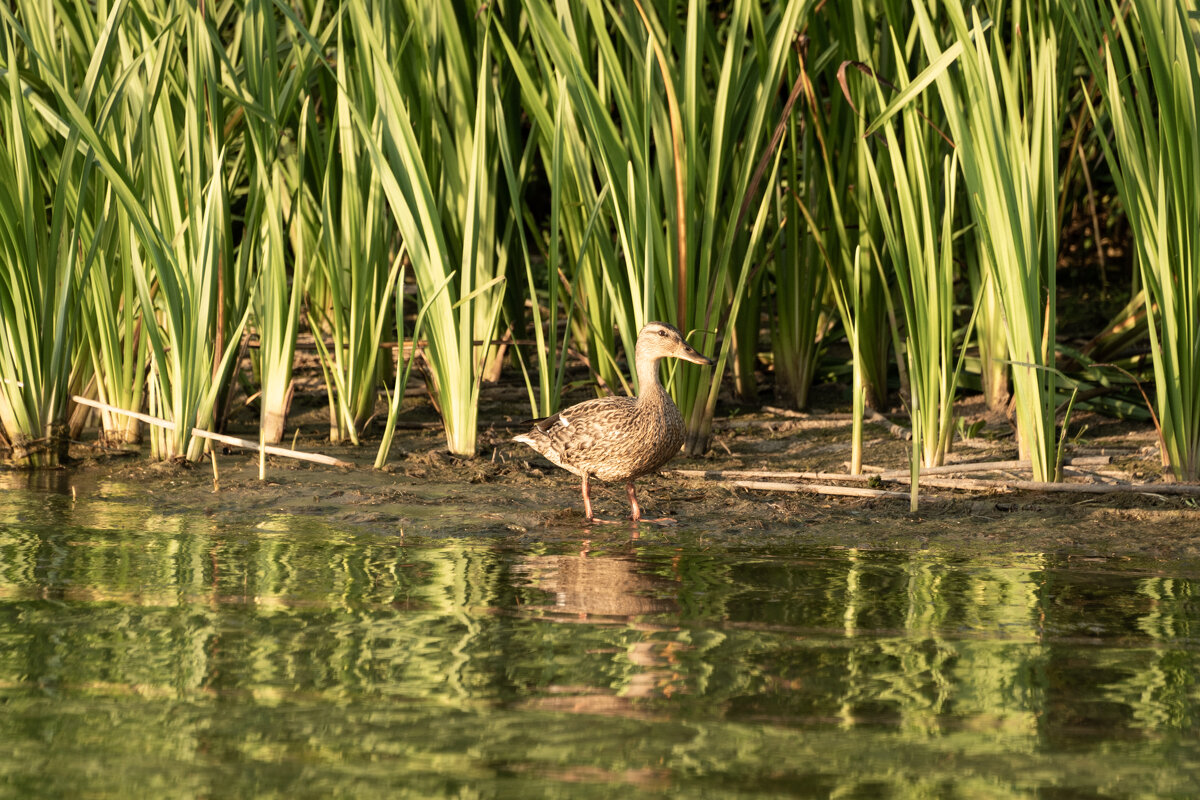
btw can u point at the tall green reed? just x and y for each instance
(680, 150)
(846, 224)
(798, 267)
(578, 213)
(115, 349)
(38, 285)
(271, 83)
(200, 302)
(561, 255)
(428, 124)
(58, 61)
(1147, 69)
(725, 138)
(357, 261)
(915, 191)
(1000, 106)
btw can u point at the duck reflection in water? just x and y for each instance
(607, 590)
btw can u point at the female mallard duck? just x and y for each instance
(620, 438)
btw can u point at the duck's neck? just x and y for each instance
(649, 387)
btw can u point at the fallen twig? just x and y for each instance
(719, 474)
(899, 431)
(1183, 489)
(814, 488)
(787, 412)
(274, 450)
(991, 466)
(233, 441)
(736, 477)
(810, 423)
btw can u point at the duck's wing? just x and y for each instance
(546, 423)
(589, 426)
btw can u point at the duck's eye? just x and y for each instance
(662, 333)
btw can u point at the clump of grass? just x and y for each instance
(798, 270)
(915, 186)
(845, 222)
(676, 114)
(420, 134)
(277, 229)
(39, 317)
(357, 264)
(1002, 115)
(1147, 69)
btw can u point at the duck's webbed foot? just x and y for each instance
(636, 510)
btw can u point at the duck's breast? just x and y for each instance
(651, 439)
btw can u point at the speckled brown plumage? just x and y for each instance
(620, 438)
(611, 438)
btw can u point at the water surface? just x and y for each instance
(180, 656)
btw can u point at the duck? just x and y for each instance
(620, 438)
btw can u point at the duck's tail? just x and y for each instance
(535, 439)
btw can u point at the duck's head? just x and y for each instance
(660, 340)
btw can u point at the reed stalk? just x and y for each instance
(1001, 110)
(112, 321)
(990, 336)
(1147, 69)
(420, 134)
(798, 268)
(913, 176)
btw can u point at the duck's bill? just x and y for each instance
(695, 357)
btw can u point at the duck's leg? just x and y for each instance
(636, 510)
(587, 499)
(587, 502)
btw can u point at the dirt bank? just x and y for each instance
(512, 492)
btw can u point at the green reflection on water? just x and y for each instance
(159, 656)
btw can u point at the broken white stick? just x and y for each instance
(232, 441)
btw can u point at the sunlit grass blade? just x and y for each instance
(41, 274)
(1148, 72)
(454, 234)
(1001, 111)
(275, 121)
(799, 272)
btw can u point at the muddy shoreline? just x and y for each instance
(509, 491)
